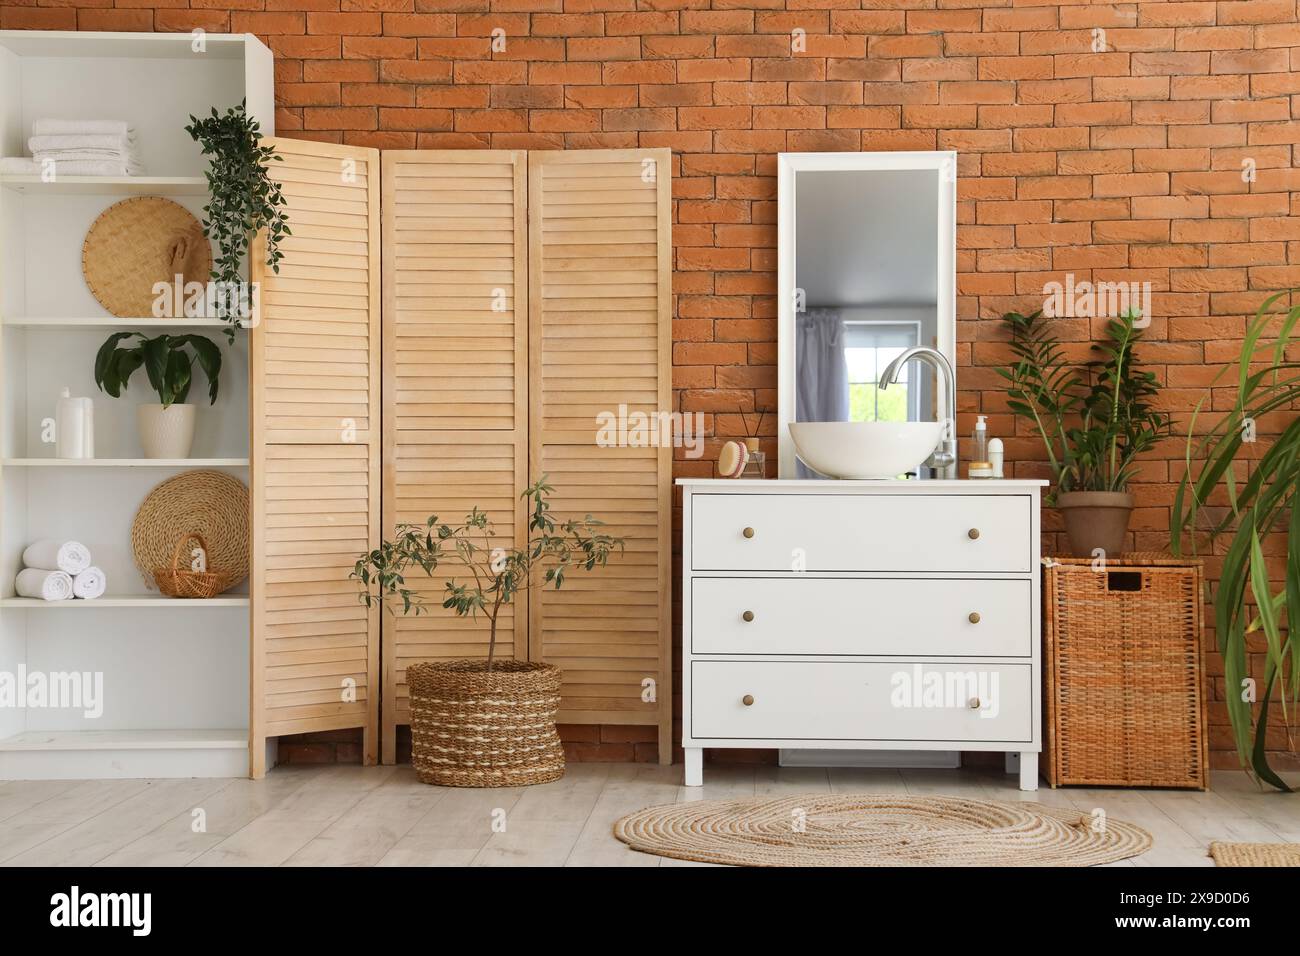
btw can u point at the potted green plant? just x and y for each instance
(166, 429)
(484, 722)
(1094, 423)
(243, 200)
(1239, 489)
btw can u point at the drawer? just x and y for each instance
(834, 700)
(908, 617)
(832, 532)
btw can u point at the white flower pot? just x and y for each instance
(166, 432)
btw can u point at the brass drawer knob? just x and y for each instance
(973, 533)
(748, 532)
(973, 617)
(973, 703)
(747, 616)
(748, 700)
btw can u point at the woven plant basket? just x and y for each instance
(475, 728)
(179, 581)
(1123, 686)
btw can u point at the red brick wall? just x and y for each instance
(1120, 164)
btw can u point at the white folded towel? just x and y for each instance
(89, 584)
(47, 554)
(26, 166)
(57, 127)
(57, 144)
(46, 585)
(83, 156)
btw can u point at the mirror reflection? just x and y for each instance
(866, 279)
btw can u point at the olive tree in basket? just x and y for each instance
(483, 722)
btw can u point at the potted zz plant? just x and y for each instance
(484, 722)
(166, 429)
(1094, 423)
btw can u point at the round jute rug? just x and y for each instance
(879, 829)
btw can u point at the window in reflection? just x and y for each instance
(868, 348)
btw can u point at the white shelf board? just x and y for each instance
(33, 185)
(111, 322)
(225, 739)
(133, 600)
(125, 462)
(70, 43)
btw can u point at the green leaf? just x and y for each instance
(1263, 595)
(125, 366)
(178, 378)
(209, 358)
(156, 352)
(1259, 753)
(105, 363)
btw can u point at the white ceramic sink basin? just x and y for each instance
(865, 449)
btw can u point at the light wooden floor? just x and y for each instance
(366, 816)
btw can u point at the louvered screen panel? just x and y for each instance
(314, 359)
(455, 381)
(599, 269)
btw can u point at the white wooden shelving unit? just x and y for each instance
(175, 673)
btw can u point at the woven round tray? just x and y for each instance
(210, 503)
(136, 243)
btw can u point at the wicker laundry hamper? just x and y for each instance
(475, 728)
(1123, 701)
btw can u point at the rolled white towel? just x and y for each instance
(60, 127)
(47, 554)
(89, 584)
(58, 144)
(46, 585)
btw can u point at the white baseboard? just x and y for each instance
(889, 759)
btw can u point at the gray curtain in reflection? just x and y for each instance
(821, 373)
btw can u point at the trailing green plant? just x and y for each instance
(499, 574)
(1243, 501)
(169, 367)
(243, 199)
(1094, 421)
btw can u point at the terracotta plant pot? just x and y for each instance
(471, 727)
(1095, 519)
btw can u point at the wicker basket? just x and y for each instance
(180, 582)
(475, 728)
(1122, 689)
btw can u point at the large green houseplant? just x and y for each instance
(166, 429)
(1094, 422)
(484, 721)
(1238, 490)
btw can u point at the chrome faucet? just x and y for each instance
(944, 458)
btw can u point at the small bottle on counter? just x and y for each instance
(996, 456)
(979, 464)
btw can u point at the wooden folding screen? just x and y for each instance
(455, 380)
(599, 330)
(314, 357)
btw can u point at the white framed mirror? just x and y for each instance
(866, 268)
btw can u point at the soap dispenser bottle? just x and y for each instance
(979, 464)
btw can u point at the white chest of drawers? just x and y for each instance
(867, 615)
